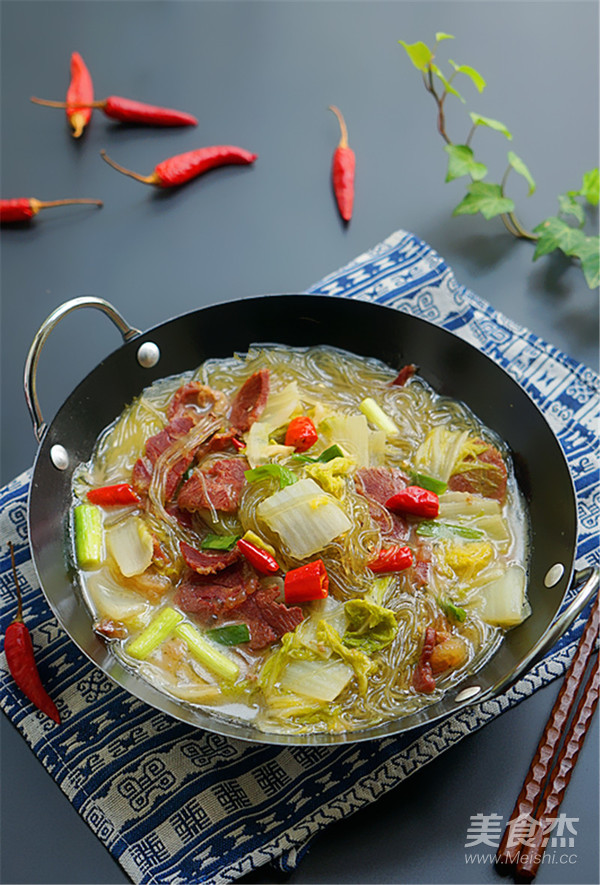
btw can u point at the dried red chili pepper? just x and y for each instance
(415, 501)
(119, 495)
(80, 95)
(18, 649)
(344, 165)
(24, 208)
(176, 170)
(127, 110)
(301, 433)
(261, 559)
(392, 559)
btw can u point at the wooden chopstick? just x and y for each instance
(529, 860)
(508, 852)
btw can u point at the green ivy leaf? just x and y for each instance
(478, 120)
(441, 36)
(589, 255)
(569, 206)
(419, 53)
(591, 186)
(461, 161)
(485, 198)
(470, 72)
(447, 85)
(519, 166)
(557, 234)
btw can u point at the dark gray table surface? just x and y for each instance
(261, 74)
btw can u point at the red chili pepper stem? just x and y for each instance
(23, 208)
(36, 205)
(343, 143)
(63, 104)
(145, 179)
(19, 614)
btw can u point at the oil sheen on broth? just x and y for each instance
(301, 538)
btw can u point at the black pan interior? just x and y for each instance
(452, 366)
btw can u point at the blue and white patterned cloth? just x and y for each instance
(173, 803)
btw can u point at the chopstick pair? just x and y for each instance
(522, 847)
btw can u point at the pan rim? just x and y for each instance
(448, 705)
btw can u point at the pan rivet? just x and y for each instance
(59, 457)
(554, 574)
(468, 693)
(148, 354)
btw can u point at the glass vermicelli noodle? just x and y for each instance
(303, 539)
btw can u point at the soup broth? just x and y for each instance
(304, 539)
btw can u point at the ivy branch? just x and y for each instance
(563, 231)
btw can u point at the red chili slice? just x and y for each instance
(301, 433)
(261, 559)
(415, 501)
(392, 559)
(118, 495)
(307, 583)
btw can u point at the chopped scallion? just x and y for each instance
(429, 528)
(159, 629)
(232, 634)
(219, 542)
(206, 653)
(87, 524)
(285, 476)
(375, 414)
(329, 454)
(255, 539)
(451, 610)
(429, 482)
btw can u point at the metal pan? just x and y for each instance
(452, 366)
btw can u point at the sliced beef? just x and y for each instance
(487, 478)
(157, 445)
(250, 400)
(267, 619)
(218, 485)
(183, 517)
(215, 596)
(420, 571)
(141, 476)
(208, 562)
(217, 443)
(422, 678)
(199, 398)
(161, 441)
(378, 485)
(176, 473)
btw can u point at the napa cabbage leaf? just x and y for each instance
(370, 626)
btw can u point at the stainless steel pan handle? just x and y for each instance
(30, 374)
